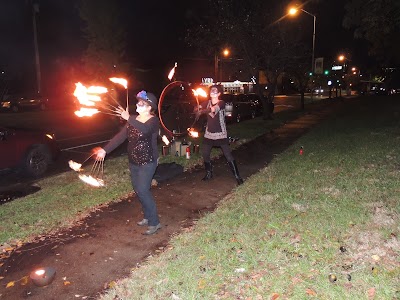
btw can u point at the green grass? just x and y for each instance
(281, 232)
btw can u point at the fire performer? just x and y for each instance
(141, 132)
(216, 134)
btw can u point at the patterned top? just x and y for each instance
(142, 140)
(216, 126)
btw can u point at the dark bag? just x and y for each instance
(167, 171)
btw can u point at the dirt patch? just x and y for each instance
(107, 245)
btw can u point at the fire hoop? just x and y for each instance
(177, 112)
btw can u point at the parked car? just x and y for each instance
(16, 103)
(257, 103)
(241, 106)
(29, 152)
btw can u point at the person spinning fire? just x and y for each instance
(216, 134)
(141, 131)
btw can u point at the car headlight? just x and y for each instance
(50, 136)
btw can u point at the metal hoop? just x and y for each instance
(161, 100)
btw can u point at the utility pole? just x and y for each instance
(35, 10)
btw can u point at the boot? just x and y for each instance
(232, 164)
(209, 171)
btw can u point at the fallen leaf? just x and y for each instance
(311, 292)
(376, 257)
(201, 284)
(10, 284)
(274, 296)
(24, 280)
(67, 282)
(371, 293)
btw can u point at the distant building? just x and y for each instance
(231, 87)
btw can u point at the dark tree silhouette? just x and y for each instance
(106, 38)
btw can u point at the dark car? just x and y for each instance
(241, 106)
(29, 152)
(16, 103)
(256, 102)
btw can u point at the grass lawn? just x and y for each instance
(334, 211)
(323, 225)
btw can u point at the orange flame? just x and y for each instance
(88, 97)
(172, 72)
(75, 166)
(200, 92)
(86, 112)
(193, 133)
(120, 81)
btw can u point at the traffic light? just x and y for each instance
(326, 72)
(310, 74)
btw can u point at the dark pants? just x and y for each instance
(141, 177)
(206, 152)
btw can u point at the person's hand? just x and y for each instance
(124, 113)
(100, 153)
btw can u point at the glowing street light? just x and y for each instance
(225, 53)
(293, 11)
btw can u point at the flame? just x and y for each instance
(172, 72)
(74, 166)
(86, 112)
(165, 140)
(120, 81)
(193, 133)
(200, 92)
(88, 97)
(96, 182)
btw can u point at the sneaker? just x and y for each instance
(152, 229)
(143, 222)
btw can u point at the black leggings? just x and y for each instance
(206, 152)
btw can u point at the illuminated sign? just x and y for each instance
(335, 68)
(207, 80)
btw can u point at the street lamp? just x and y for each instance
(225, 53)
(293, 11)
(345, 61)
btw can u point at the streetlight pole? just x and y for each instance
(313, 39)
(216, 67)
(293, 11)
(35, 9)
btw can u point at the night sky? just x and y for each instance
(155, 32)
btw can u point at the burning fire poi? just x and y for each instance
(75, 166)
(96, 182)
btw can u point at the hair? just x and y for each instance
(218, 87)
